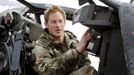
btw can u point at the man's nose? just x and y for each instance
(58, 24)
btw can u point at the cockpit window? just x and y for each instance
(9, 4)
(67, 3)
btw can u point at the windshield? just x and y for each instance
(68, 3)
(8, 4)
(73, 3)
(126, 1)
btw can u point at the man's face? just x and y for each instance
(56, 24)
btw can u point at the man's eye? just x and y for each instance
(53, 21)
(60, 21)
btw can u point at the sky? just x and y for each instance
(77, 29)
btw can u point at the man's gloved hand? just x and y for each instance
(81, 47)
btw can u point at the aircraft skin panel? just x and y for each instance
(126, 15)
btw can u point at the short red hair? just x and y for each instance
(54, 9)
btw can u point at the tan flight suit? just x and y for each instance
(60, 59)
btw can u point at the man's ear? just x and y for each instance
(46, 24)
(65, 22)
